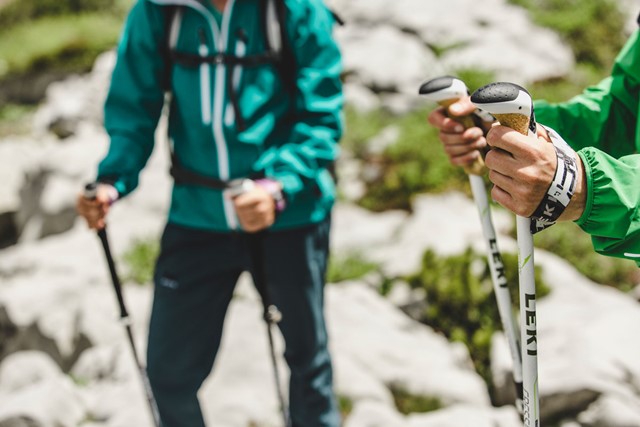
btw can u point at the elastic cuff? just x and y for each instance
(587, 164)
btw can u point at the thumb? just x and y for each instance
(462, 107)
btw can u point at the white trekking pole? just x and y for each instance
(512, 106)
(445, 91)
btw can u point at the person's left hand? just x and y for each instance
(520, 167)
(255, 208)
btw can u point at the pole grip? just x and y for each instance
(91, 191)
(515, 121)
(477, 167)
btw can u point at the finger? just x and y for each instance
(505, 182)
(454, 150)
(510, 140)
(501, 161)
(466, 137)
(541, 132)
(502, 197)
(462, 107)
(439, 119)
(465, 159)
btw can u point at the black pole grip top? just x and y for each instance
(505, 98)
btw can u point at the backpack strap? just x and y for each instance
(172, 24)
(276, 18)
(273, 25)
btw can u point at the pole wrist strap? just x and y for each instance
(562, 187)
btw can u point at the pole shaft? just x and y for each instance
(500, 285)
(256, 248)
(530, 397)
(124, 317)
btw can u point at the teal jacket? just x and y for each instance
(299, 153)
(602, 124)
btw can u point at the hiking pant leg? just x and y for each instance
(195, 276)
(296, 266)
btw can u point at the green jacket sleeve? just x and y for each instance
(602, 125)
(135, 98)
(603, 116)
(612, 213)
(311, 143)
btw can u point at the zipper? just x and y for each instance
(218, 110)
(241, 50)
(220, 35)
(205, 79)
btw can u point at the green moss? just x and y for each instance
(349, 267)
(361, 127)
(415, 164)
(461, 302)
(408, 403)
(474, 78)
(566, 240)
(15, 119)
(20, 11)
(345, 406)
(140, 260)
(593, 28)
(64, 42)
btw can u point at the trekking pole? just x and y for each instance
(445, 91)
(512, 106)
(90, 193)
(271, 314)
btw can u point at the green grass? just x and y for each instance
(408, 403)
(348, 267)
(361, 127)
(345, 405)
(566, 240)
(63, 42)
(139, 260)
(15, 119)
(415, 164)
(592, 28)
(461, 303)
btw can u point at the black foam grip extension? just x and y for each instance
(436, 85)
(497, 92)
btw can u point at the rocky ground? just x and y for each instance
(64, 359)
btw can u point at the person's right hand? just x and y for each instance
(462, 145)
(94, 211)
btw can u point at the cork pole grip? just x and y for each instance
(477, 167)
(517, 122)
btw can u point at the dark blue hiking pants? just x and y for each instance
(194, 281)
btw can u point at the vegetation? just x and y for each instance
(592, 28)
(140, 260)
(349, 267)
(461, 303)
(44, 40)
(15, 119)
(345, 406)
(69, 42)
(408, 403)
(415, 164)
(569, 242)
